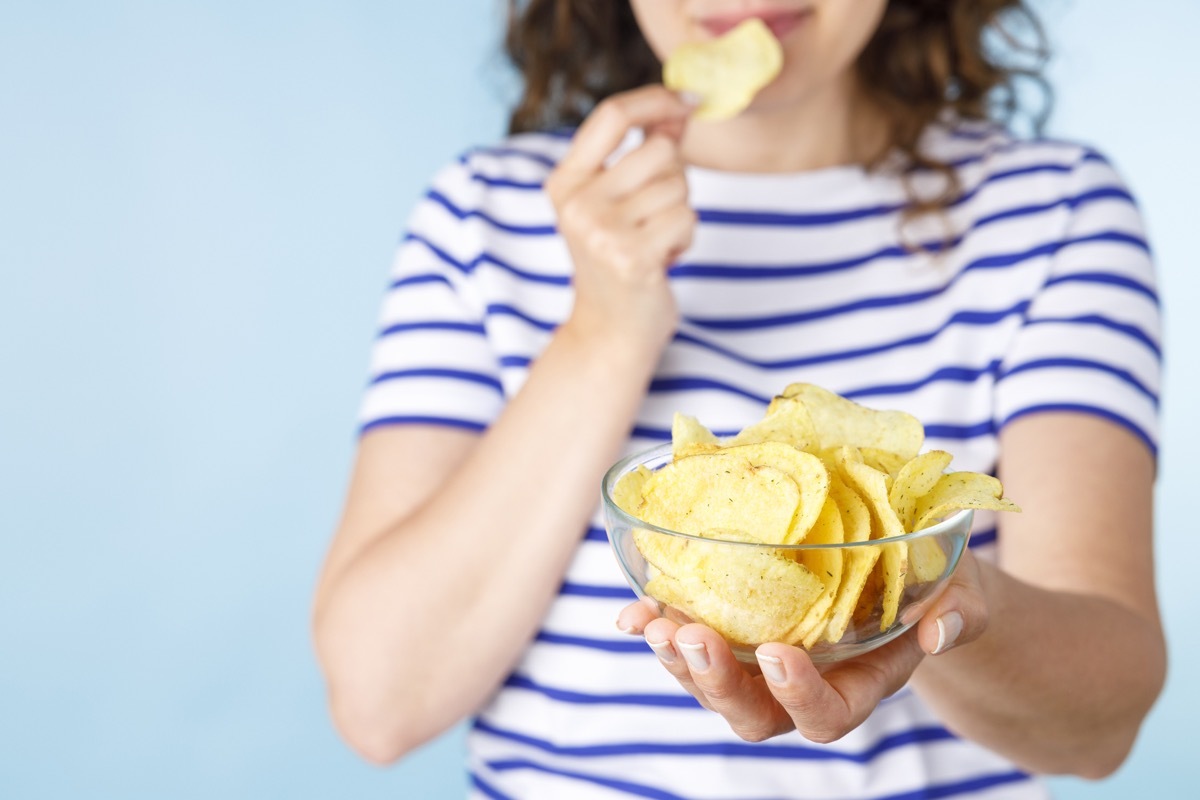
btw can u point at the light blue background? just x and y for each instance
(198, 203)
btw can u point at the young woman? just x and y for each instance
(867, 225)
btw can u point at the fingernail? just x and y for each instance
(950, 625)
(695, 654)
(772, 669)
(691, 98)
(664, 650)
(626, 629)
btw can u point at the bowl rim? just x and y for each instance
(964, 517)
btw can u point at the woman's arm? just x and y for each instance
(451, 548)
(453, 545)
(1073, 656)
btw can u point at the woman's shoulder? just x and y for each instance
(983, 150)
(518, 161)
(1041, 183)
(493, 190)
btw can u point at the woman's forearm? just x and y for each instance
(417, 629)
(1059, 683)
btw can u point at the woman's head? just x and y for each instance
(912, 59)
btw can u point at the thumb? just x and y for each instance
(673, 129)
(959, 615)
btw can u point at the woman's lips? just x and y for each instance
(781, 23)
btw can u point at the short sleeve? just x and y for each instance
(1091, 338)
(431, 362)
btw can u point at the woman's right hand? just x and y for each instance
(624, 224)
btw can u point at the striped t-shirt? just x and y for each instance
(1043, 300)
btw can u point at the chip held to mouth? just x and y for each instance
(727, 72)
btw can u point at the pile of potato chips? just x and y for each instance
(726, 72)
(817, 469)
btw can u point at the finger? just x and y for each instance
(670, 232)
(825, 707)
(727, 687)
(606, 127)
(959, 615)
(672, 128)
(656, 157)
(663, 193)
(634, 617)
(660, 635)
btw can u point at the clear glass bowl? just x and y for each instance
(941, 545)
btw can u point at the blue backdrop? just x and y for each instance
(198, 204)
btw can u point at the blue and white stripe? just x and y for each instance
(1043, 299)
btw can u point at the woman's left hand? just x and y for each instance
(788, 692)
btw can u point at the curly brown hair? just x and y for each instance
(927, 58)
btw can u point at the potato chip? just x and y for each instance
(827, 566)
(857, 562)
(689, 437)
(627, 493)
(883, 460)
(721, 490)
(725, 72)
(916, 478)
(926, 559)
(959, 490)
(871, 486)
(894, 559)
(681, 557)
(806, 470)
(843, 422)
(786, 421)
(747, 595)
(667, 554)
(675, 593)
(696, 556)
(869, 600)
(832, 457)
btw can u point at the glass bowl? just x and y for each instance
(742, 589)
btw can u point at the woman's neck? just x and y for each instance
(835, 127)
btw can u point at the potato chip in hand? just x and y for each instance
(726, 72)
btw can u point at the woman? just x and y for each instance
(863, 226)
